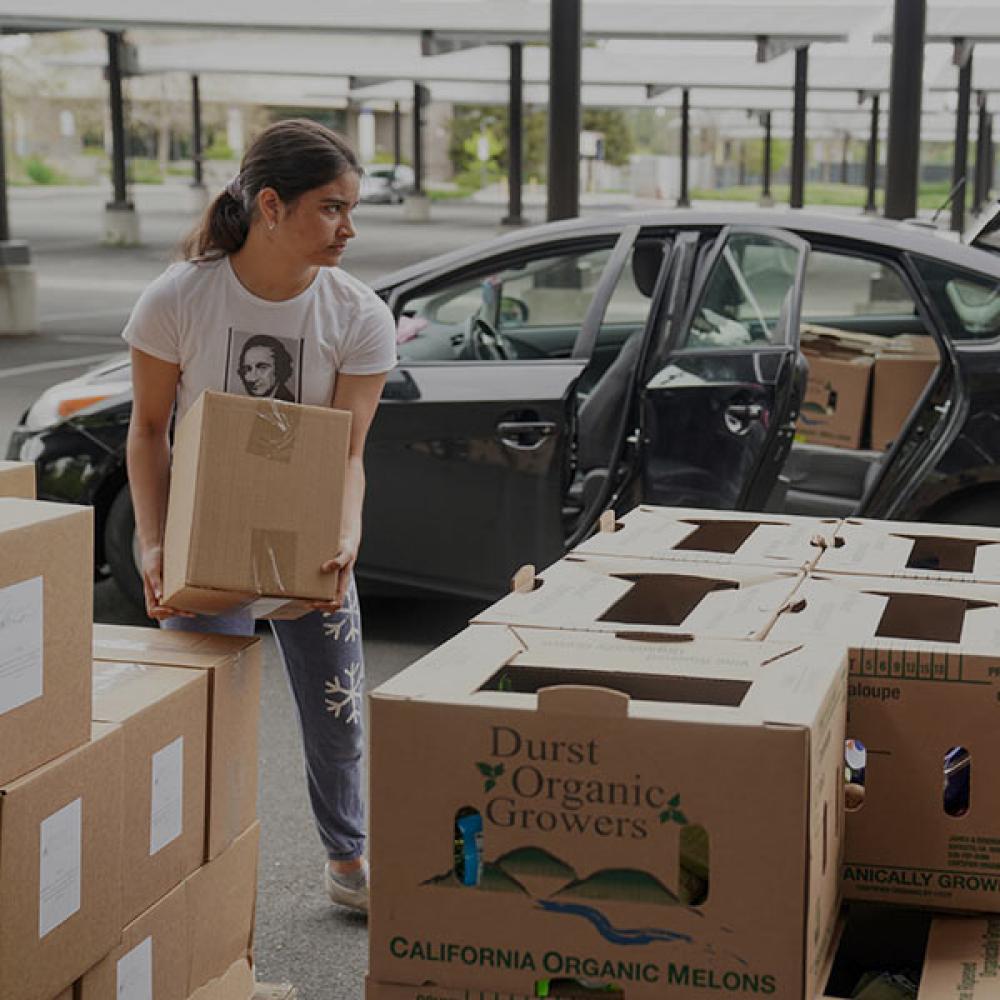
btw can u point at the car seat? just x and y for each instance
(599, 414)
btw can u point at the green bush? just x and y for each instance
(40, 172)
(219, 150)
(143, 170)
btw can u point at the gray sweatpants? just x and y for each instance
(325, 667)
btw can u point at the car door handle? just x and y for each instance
(525, 435)
(739, 416)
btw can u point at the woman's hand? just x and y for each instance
(343, 565)
(152, 585)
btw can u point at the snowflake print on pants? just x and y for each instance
(344, 625)
(340, 697)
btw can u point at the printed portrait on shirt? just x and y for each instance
(264, 366)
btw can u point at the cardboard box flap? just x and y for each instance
(727, 682)
(909, 345)
(450, 667)
(623, 595)
(688, 534)
(574, 699)
(122, 690)
(887, 611)
(915, 550)
(828, 338)
(824, 610)
(961, 960)
(947, 958)
(236, 983)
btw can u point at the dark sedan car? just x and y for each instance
(655, 357)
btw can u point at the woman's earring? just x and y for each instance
(270, 225)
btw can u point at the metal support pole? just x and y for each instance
(905, 92)
(845, 156)
(798, 180)
(741, 168)
(766, 192)
(960, 165)
(418, 139)
(982, 155)
(196, 158)
(119, 178)
(871, 165)
(4, 217)
(397, 142)
(565, 43)
(683, 200)
(515, 136)
(990, 158)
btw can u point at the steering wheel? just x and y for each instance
(482, 342)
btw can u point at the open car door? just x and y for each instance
(721, 398)
(468, 460)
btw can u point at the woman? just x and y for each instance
(261, 278)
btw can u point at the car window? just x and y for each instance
(841, 287)
(530, 310)
(742, 300)
(968, 302)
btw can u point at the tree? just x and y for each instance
(467, 125)
(618, 143)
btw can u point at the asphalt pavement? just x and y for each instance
(85, 293)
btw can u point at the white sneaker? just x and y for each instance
(350, 889)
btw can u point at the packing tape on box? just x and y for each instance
(272, 560)
(108, 676)
(273, 433)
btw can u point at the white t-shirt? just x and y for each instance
(223, 337)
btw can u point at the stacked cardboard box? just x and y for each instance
(862, 387)
(128, 838)
(17, 479)
(60, 777)
(586, 806)
(608, 671)
(193, 942)
(188, 706)
(232, 667)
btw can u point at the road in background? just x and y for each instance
(86, 290)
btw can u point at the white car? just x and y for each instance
(385, 184)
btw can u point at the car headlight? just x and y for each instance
(63, 401)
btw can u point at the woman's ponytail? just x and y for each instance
(222, 230)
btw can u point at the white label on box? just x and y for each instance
(135, 973)
(166, 817)
(60, 861)
(21, 643)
